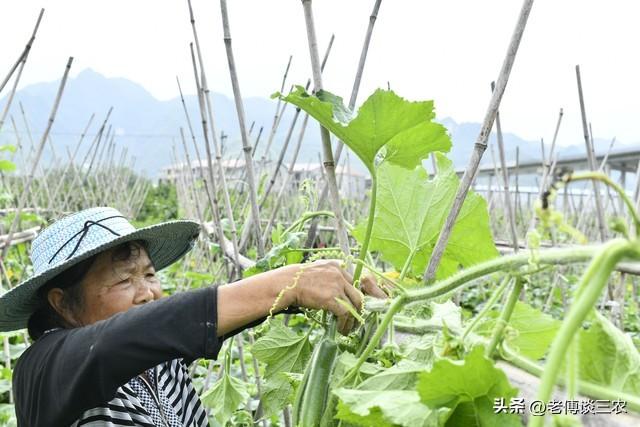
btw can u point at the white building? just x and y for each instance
(352, 183)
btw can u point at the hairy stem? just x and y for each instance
(396, 306)
(367, 237)
(591, 284)
(505, 315)
(505, 263)
(584, 387)
(599, 176)
(487, 307)
(306, 217)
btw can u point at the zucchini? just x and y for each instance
(311, 398)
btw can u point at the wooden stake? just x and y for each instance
(278, 114)
(505, 182)
(246, 146)
(285, 145)
(311, 235)
(25, 52)
(591, 159)
(36, 160)
(327, 152)
(217, 149)
(481, 142)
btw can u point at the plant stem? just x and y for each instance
(487, 307)
(503, 320)
(552, 256)
(396, 306)
(406, 266)
(588, 292)
(372, 269)
(599, 176)
(306, 217)
(367, 236)
(584, 387)
(505, 263)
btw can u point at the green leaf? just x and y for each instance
(7, 166)
(283, 352)
(410, 147)
(608, 357)
(534, 330)
(469, 388)
(225, 397)
(446, 313)
(8, 147)
(402, 376)
(277, 392)
(410, 212)
(386, 409)
(347, 360)
(419, 349)
(383, 118)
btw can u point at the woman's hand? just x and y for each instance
(321, 283)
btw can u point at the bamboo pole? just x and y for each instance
(285, 145)
(278, 114)
(199, 210)
(591, 159)
(211, 192)
(36, 160)
(7, 105)
(23, 56)
(327, 152)
(481, 142)
(546, 166)
(29, 135)
(505, 181)
(246, 146)
(311, 235)
(217, 150)
(72, 160)
(283, 188)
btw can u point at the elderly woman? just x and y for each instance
(109, 350)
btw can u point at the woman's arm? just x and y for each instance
(318, 286)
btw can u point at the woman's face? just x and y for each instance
(113, 285)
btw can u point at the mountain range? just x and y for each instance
(149, 127)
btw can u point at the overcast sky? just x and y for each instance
(448, 51)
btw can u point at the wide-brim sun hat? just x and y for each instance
(81, 235)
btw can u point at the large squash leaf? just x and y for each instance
(384, 118)
(410, 212)
(534, 330)
(387, 409)
(468, 388)
(227, 394)
(608, 357)
(282, 351)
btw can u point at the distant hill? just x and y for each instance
(148, 127)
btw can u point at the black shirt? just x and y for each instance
(70, 371)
